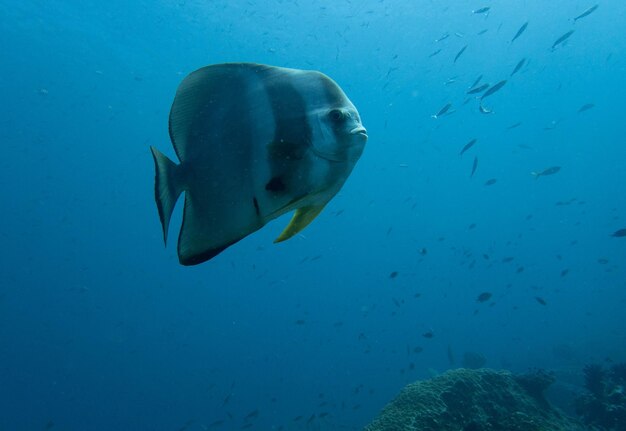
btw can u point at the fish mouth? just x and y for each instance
(359, 131)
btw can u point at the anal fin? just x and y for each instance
(301, 219)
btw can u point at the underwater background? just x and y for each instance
(415, 267)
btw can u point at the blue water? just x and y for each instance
(101, 328)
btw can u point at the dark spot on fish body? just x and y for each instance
(275, 185)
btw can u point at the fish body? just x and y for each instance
(459, 53)
(586, 107)
(254, 142)
(490, 182)
(518, 66)
(484, 110)
(494, 89)
(488, 93)
(541, 300)
(435, 53)
(482, 10)
(474, 166)
(588, 12)
(442, 111)
(521, 30)
(444, 37)
(549, 171)
(619, 233)
(479, 89)
(476, 81)
(467, 146)
(562, 39)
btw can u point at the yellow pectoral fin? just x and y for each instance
(301, 219)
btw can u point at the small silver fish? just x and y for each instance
(488, 93)
(519, 65)
(434, 53)
(442, 111)
(482, 10)
(520, 31)
(477, 81)
(484, 110)
(561, 39)
(588, 12)
(493, 89)
(467, 146)
(586, 107)
(549, 171)
(460, 53)
(478, 89)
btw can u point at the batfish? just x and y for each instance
(254, 142)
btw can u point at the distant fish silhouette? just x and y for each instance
(562, 39)
(586, 107)
(588, 12)
(619, 233)
(520, 31)
(459, 53)
(467, 146)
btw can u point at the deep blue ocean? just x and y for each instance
(102, 329)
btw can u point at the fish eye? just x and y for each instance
(336, 115)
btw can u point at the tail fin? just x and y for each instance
(536, 175)
(167, 187)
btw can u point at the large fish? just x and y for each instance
(254, 142)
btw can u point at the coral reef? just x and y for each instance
(604, 404)
(535, 383)
(474, 400)
(474, 360)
